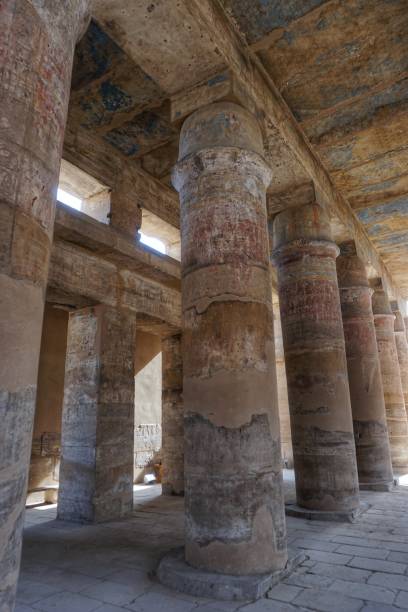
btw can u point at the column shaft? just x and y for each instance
(364, 374)
(283, 402)
(96, 476)
(316, 368)
(233, 483)
(402, 350)
(36, 49)
(172, 417)
(391, 378)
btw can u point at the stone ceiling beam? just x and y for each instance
(252, 77)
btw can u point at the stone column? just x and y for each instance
(125, 213)
(233, 483)
(283, 402)
(172, 416)
(316, 368)
(402, 349)
(364, 374)
(36, 49)
(391, 377)
(96, 474)
(406, 326)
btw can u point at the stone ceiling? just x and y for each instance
(342, 67)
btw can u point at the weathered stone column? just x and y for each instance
(172, 416)
(316, 368)
(406, 326)
(402, 349)
(364, 374)
(96, 475)
(233, 483)
(36, 48)
(283, 402)
(391, 377)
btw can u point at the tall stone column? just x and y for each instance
(96, 474)
(172, 416)
(402, 349)
(316, 368)
(364, 374)
(406, 326)
(233, 483)
(36, 48)
(391, 377)
(283, 402)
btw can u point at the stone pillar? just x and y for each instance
(391, 377)
(406, 326)
(125, 213)
(364, 374)
(36, 48)
(402, 349)
(283, 402)
(96, 475)
(316, 368)
(235, 521)
(172, 416)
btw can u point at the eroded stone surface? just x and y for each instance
(316, 369)
(172, 416)
(364, 374)
(36, 47)
(231, 416)
(96, 476)
(391, 376)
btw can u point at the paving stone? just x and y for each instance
(390, 581)
(309, 580)
(359, 551)
(155, 602)
(67, 602)
(375, 607)
(283, 592)
(327, 601)
(23, 608)
(376, 565)
(29, 591)
(268, 605)
(402, 600)
(114, 592)
(340, 572)
(327, 557)
(311, 544)
(398, 557)
(363, 591)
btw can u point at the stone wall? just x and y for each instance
(148, 404)
(46, 448)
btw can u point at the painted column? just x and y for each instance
(172, 416)
(391, 377)
(402, 349)
(364, 374)
(36, 49)
(316, 368)
(96, 474)
(233, 483)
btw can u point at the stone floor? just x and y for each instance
(110, 568)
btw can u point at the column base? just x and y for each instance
(385, 487)
(325, 515)
(175, 573)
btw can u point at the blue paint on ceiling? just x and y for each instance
(114, 98)
(256, 18)
(384, 210)
(140, 135)
(94, 56)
